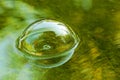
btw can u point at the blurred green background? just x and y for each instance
(97, 23)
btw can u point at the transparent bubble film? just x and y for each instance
(48, 43)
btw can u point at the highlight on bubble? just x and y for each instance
(47, 43)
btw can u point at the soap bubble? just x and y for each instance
(48, 43)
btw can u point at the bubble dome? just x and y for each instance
(47, 43)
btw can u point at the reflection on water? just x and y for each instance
(97, 23)
(85, 4)
(49, 42)
(12, 65)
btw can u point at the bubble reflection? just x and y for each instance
(48, 43)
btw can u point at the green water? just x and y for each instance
(96, 22)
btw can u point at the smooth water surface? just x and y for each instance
(96, 22)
